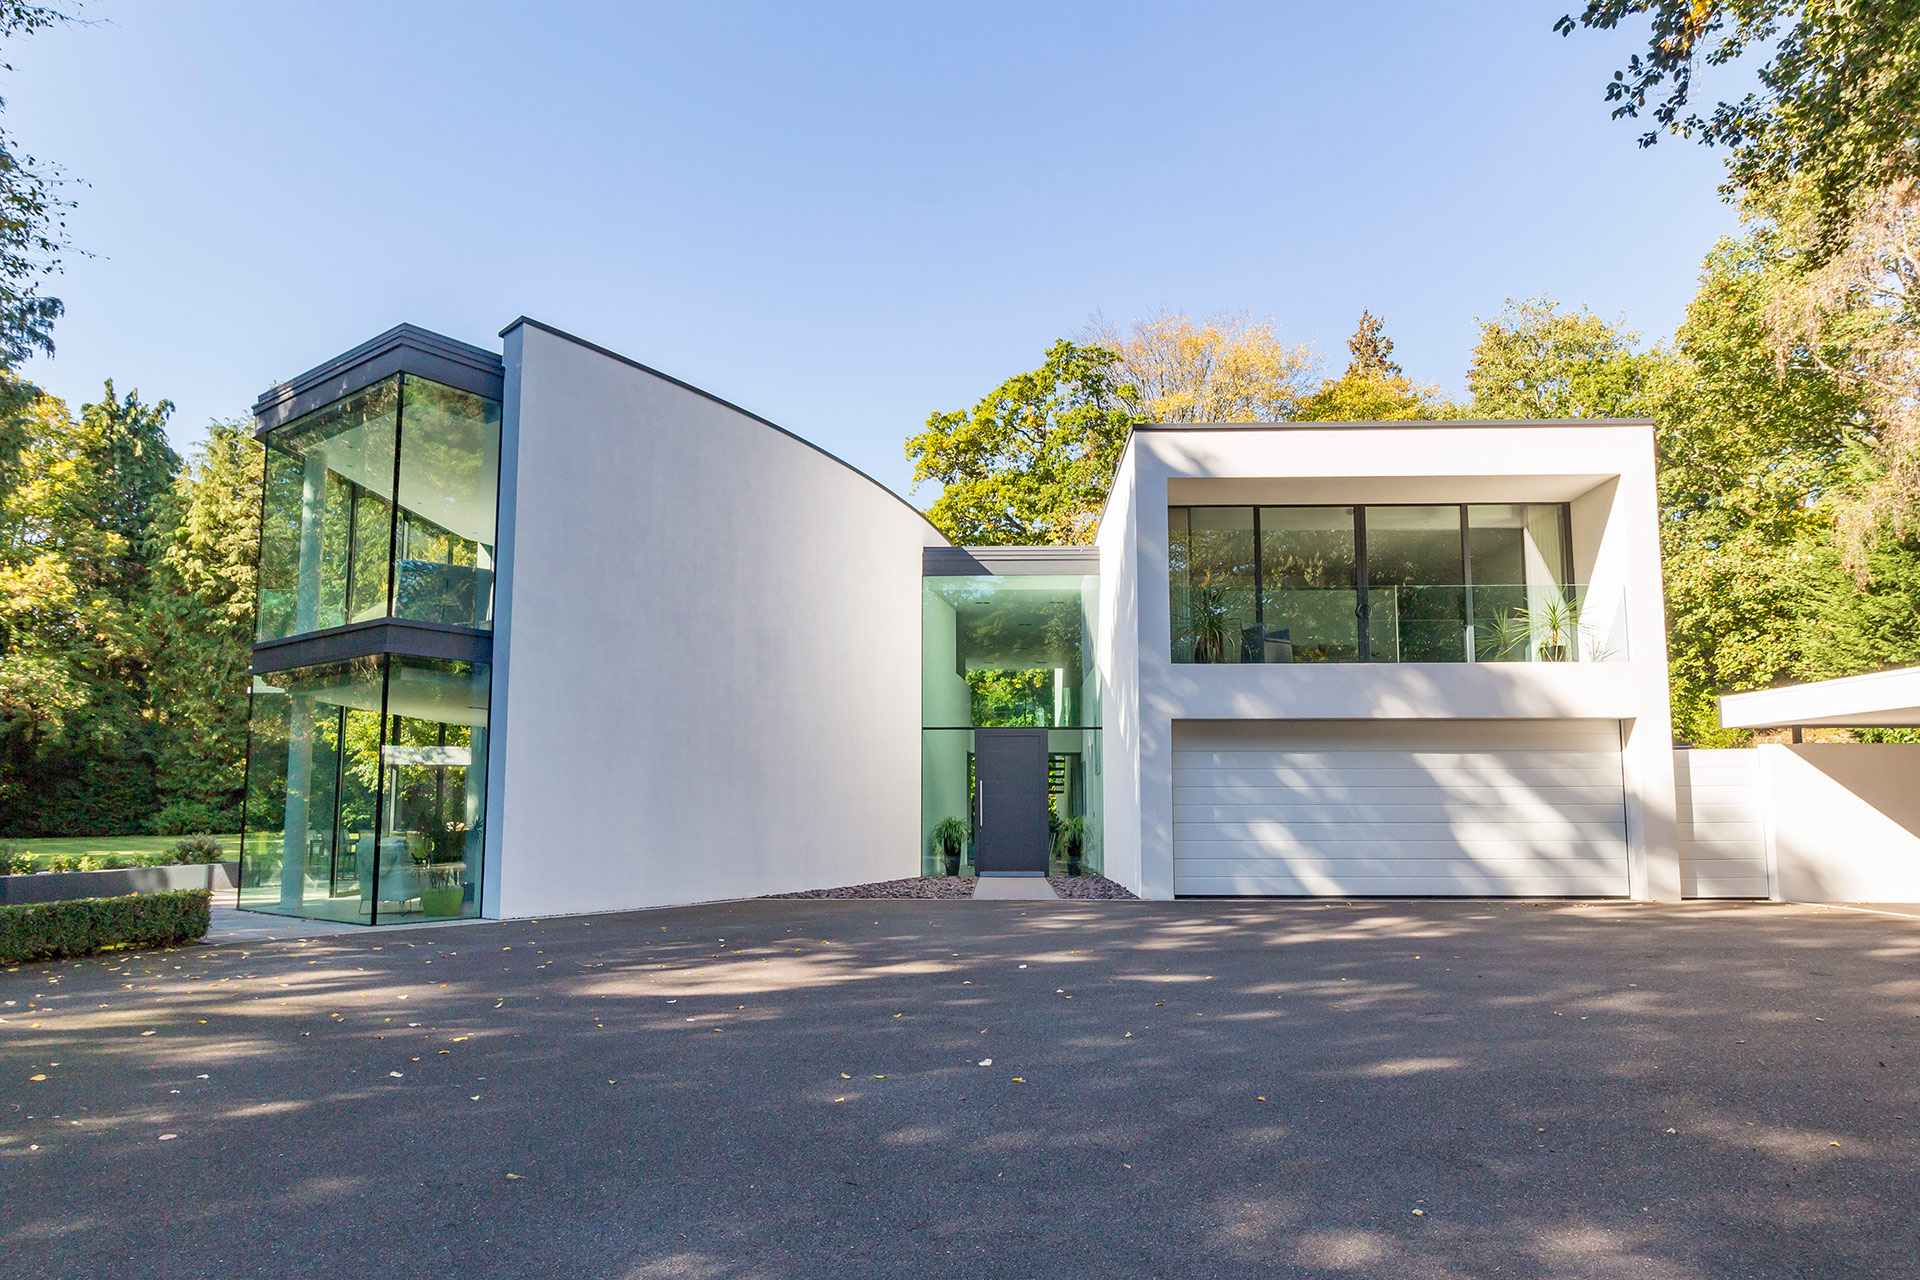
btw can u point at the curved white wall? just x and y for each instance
(707, 655)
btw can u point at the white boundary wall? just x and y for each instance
(1819, 822)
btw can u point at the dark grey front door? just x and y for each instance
(1010, 795)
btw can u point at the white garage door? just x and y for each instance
(1351, 808)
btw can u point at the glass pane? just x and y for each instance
(1074, 801)
(434, 761)
(946, 802)
(308, 808)
(325, 532)
(1415, 600)
(1523, 610)
(449, 490)
(1009, 650)
(1308, 594)
(1211, 571)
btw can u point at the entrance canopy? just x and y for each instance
(1885, 699)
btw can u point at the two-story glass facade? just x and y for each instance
(1011, 650)
(367, 753)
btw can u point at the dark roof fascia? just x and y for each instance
(964, 562)
(405, 348)
(631, 363)
(366, 639)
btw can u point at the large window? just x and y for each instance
(1401, 583)
(381, 505)
(366, 790)
(1005, 651)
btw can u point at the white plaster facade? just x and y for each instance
(1603, 470)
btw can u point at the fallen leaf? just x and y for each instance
(168, 1137)
(38, 1077)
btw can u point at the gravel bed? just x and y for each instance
(917, 887)
(1090, 888)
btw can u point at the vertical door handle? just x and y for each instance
(980, 792)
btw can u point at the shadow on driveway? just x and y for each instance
(797, 1089)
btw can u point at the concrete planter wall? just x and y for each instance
(59, 886)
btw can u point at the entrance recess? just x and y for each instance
(1010, 801)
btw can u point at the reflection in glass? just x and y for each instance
(1212, 565)
(1524, 608)
(326, 519)
(449, 485)
(1416, 602)
(330, 550)
(346, 822)
(1309, 601)
(1009, 650)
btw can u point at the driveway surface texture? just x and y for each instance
(981, 1089)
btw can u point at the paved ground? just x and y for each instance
(795, 1089)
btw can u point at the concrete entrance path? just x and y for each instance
(1015, 888)
(836, 1090)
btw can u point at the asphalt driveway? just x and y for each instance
(981, 1089)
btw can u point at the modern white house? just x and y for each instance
(544, 630)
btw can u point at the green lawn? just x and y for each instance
(41, 848)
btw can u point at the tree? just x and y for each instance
(200, 616)
(1752, 449)
(1370, 350)
(1836, 107)
(1226, 368)
(1031, 462)
(33, 226)
(1536, 361)
(1373, 388)
(75, 557)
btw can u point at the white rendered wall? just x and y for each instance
(1118, 657)
(1604, 472)
(708, 650)
(1844, 820)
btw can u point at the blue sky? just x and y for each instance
(839, 216)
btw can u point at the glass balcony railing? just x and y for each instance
(1498, 622)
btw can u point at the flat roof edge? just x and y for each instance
(405, 348)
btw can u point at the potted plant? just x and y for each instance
(1209, 621)
(1070, 845)
(443, 893)
(949, 841)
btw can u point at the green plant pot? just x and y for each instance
(442, 902)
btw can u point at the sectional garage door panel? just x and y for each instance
(1356, 808)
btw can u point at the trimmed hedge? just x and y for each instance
(50, 930)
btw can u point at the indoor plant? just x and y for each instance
(949, 841)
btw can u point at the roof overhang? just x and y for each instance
(1885, 699)
(404, 348)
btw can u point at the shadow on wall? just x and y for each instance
(1286, 803)
(1846, 820)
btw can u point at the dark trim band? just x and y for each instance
(365, 639)
(404, 348)
(967, 562)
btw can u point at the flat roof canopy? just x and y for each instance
(1885, 699)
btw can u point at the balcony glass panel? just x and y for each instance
(1309, 599)
(1416, 607)
(1443, 583)
(1215, 589)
